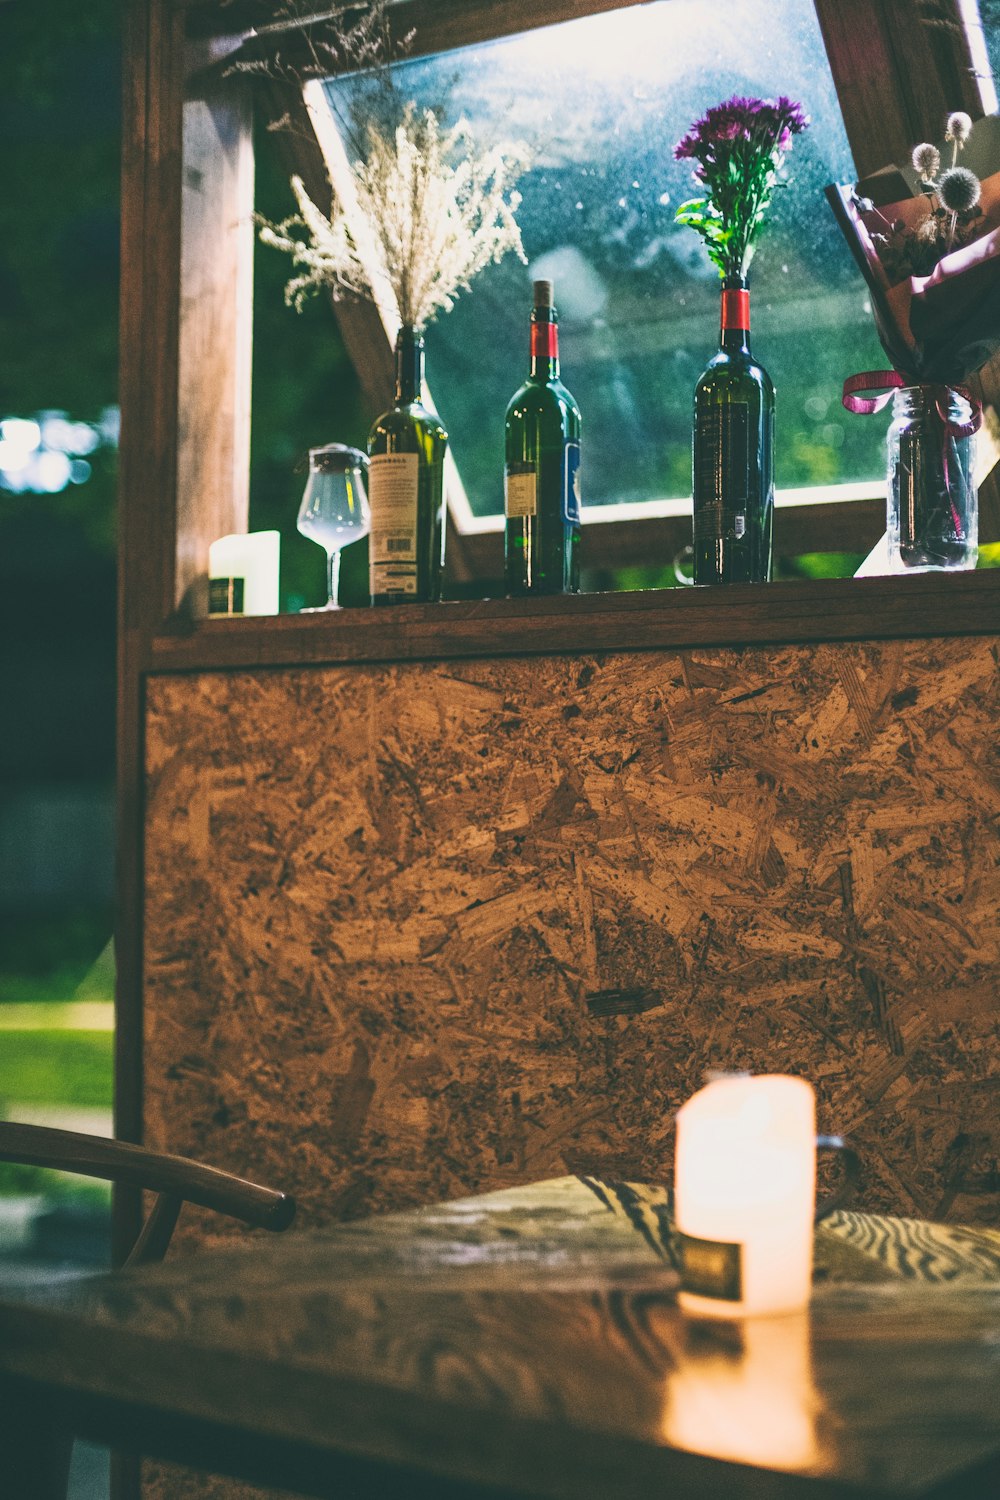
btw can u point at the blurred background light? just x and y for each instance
(43, 453)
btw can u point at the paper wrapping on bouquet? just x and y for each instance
(940, 326)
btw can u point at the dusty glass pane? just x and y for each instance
(601, 102)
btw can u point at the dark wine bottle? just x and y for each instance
(733, 455)
(406, 448)
(542, 469)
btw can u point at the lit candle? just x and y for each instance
(254, 557)
(744, 1196)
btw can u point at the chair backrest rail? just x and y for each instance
(120, 1161)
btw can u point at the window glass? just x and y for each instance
(601, 101)
(989, 18)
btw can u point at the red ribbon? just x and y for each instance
(885, 382)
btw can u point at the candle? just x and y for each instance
(254, 557)
(744, 1196)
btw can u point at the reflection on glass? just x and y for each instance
(744, 1391)
(601, 101)
(334, 510)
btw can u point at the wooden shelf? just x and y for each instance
(929, 604)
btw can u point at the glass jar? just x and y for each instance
(932, 511)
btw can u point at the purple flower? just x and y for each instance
(771, 122)
(737, 148)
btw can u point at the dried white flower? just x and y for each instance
(436, 209)
(926, 161)
(959, 127)
(959, 190)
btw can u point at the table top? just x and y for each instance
(529, 1340)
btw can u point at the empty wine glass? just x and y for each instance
(334, 510)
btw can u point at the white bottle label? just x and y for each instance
(520, 491)
(392, 494)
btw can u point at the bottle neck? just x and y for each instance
(409, 364)
(544, 344)
(734, 321)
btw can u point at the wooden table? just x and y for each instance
(527, 1342)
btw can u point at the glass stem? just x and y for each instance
(333, 579)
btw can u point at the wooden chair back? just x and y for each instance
(174, 1179)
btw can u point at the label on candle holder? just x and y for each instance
(225, 596)
(711, 1268)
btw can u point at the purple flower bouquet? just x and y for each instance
(738, 148)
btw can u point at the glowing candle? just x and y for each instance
(744, 1196)
(252, 556)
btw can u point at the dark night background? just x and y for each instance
(60, 125)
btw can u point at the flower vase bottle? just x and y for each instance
(406, 448)
(733, 454)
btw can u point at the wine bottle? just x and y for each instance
(733, 454)
(542, 469)
(406, 448)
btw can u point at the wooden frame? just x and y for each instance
(186, 186)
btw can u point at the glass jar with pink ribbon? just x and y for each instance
(932, 509)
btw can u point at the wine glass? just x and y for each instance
(334, 509)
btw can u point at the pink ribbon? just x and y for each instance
(885, 382)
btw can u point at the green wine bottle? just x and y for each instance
(542, 469)
(406, 447)
(733, 457)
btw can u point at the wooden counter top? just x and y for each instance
(527, 1342)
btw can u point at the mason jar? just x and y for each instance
(932, 510)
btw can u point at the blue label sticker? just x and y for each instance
(571, 485)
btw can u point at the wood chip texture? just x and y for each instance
(416, 932)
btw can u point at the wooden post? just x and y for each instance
(216, 327)
(186, 311)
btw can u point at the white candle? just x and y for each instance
(744, 1196)
(253, 556)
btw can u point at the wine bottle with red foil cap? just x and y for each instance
(733, 453)
(542, 469)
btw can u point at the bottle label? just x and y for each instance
(393, 484)
(721, 471)
(711, 1268)
(520, 491)
(571, 485)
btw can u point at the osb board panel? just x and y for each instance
(414, 932)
